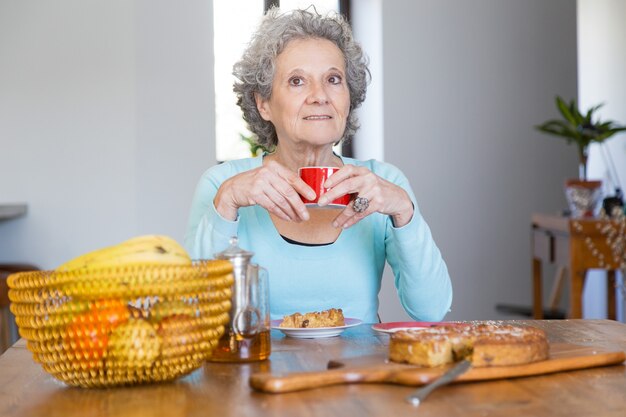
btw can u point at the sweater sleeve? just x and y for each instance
(207, 231)
(421, 275)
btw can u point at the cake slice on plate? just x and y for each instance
(328, 318)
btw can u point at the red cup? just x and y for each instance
(315, 178)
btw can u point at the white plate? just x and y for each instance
(314, 332)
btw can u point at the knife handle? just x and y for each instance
(277, 383)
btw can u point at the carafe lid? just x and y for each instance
(234, 253)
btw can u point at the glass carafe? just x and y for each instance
(247, 335)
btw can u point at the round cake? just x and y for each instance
(482, 343)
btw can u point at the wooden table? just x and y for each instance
(222, 389)
(570, 244)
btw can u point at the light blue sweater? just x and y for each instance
(345, 274)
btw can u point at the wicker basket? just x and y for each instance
(122, 326)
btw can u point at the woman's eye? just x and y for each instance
(295, 81)
(334, 79)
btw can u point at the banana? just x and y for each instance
(146, 250)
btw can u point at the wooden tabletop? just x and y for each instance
(222, 389)
(584, 226)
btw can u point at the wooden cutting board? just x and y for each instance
(376, 369)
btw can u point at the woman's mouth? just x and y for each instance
(318, 117)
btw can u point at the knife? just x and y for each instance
(365, 369)
(453, 373)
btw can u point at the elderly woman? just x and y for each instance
(298, 84)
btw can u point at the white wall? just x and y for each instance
(464, 84)
(602, 65)
(175, 109)
(366, 16)
(106, 121)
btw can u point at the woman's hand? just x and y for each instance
(384, 197)
(271, 186)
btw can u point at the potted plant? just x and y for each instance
(581, 130)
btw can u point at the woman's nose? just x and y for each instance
(317, 94)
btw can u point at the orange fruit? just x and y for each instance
(87, 335)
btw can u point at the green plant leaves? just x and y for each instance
(559, 128)
(569, 113)
(578, 128)
(256, 148)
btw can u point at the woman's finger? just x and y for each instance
(291, 197)
(352, 185)
(285, 197)
(301, 187)
(349, 216)
(268, 204)
(348, 180)
(344, 173)
(292, 187)
(274, 180)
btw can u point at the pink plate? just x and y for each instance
(395, 326)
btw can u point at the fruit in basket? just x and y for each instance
(144, 250)
(134, 344)
(88, 333)
(163, 309)
(178, 332)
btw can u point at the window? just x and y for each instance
(234, 22)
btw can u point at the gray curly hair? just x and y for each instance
(255, 71)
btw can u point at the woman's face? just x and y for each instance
(310, 99)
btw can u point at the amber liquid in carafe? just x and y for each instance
(233, 347)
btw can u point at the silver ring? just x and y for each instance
(360, 204)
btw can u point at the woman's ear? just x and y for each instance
(263, 107)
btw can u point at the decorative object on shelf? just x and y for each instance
(616, 200)
(582, 130)
(583, 197)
